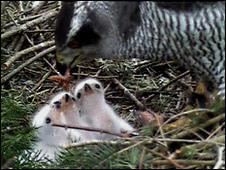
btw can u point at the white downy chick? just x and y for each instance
(62, 109)
(95, 111)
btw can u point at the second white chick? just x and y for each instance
(94, 110)
(62, 109)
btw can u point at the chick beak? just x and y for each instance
(88, 88)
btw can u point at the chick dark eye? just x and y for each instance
(97, 86)
(48, 120)
(78, 95)
(67, 97)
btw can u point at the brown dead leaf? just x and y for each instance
(63, 81)
(149, 116)
(182, 122)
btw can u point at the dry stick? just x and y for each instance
(39, 6)
(19, 44)
(40, 31)
(182, 114)
(220, 161)
(171, 82)
(32, 43)
(141, 161)
(215, 141)
(52, 66)
(11, 47)
(185, 113)
(179, 81)
(164, 63)
(28, 39)
(206, 124)
(42, 92)
(3, 5)
(215, 131)
(96, 142)
(9, 163)
(168, 159)
(45, 76)
(88, 129)
(14, 72)
(22, 20)
(150, 90)
(149, 140)
(11, 129)
(205, 155)
(16, 39)
(28, 50)
(160, 129)
(184, 161)
(174, 80)
(21, 6)
(25, 26)
(94, 76)
(41, 81)
(42, 37)
(126, 91)
(144, 64)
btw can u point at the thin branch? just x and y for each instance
(206, 124)
(14, 42)
(97, 142)
(160, 129)
(215, 142)
(146, 141)
(19, 44)
(220, 141)
(185, 113)
(52, 66)
(28, 50)
(3, 5)
(220, 160)
(40, 31)
(215, 131)
(90, 129)
(38, 7)
(141, 161)
(29, 24)
(175, 79)
(127, 92)
(184, 162)
(168, 159)
(14, 72)
(41, 81)
(22, 20)
(15, 23)
(168, 84)
(94, 76)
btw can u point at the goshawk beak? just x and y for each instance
(67, 60)
(61, 66)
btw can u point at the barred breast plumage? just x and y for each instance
(194, 35)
